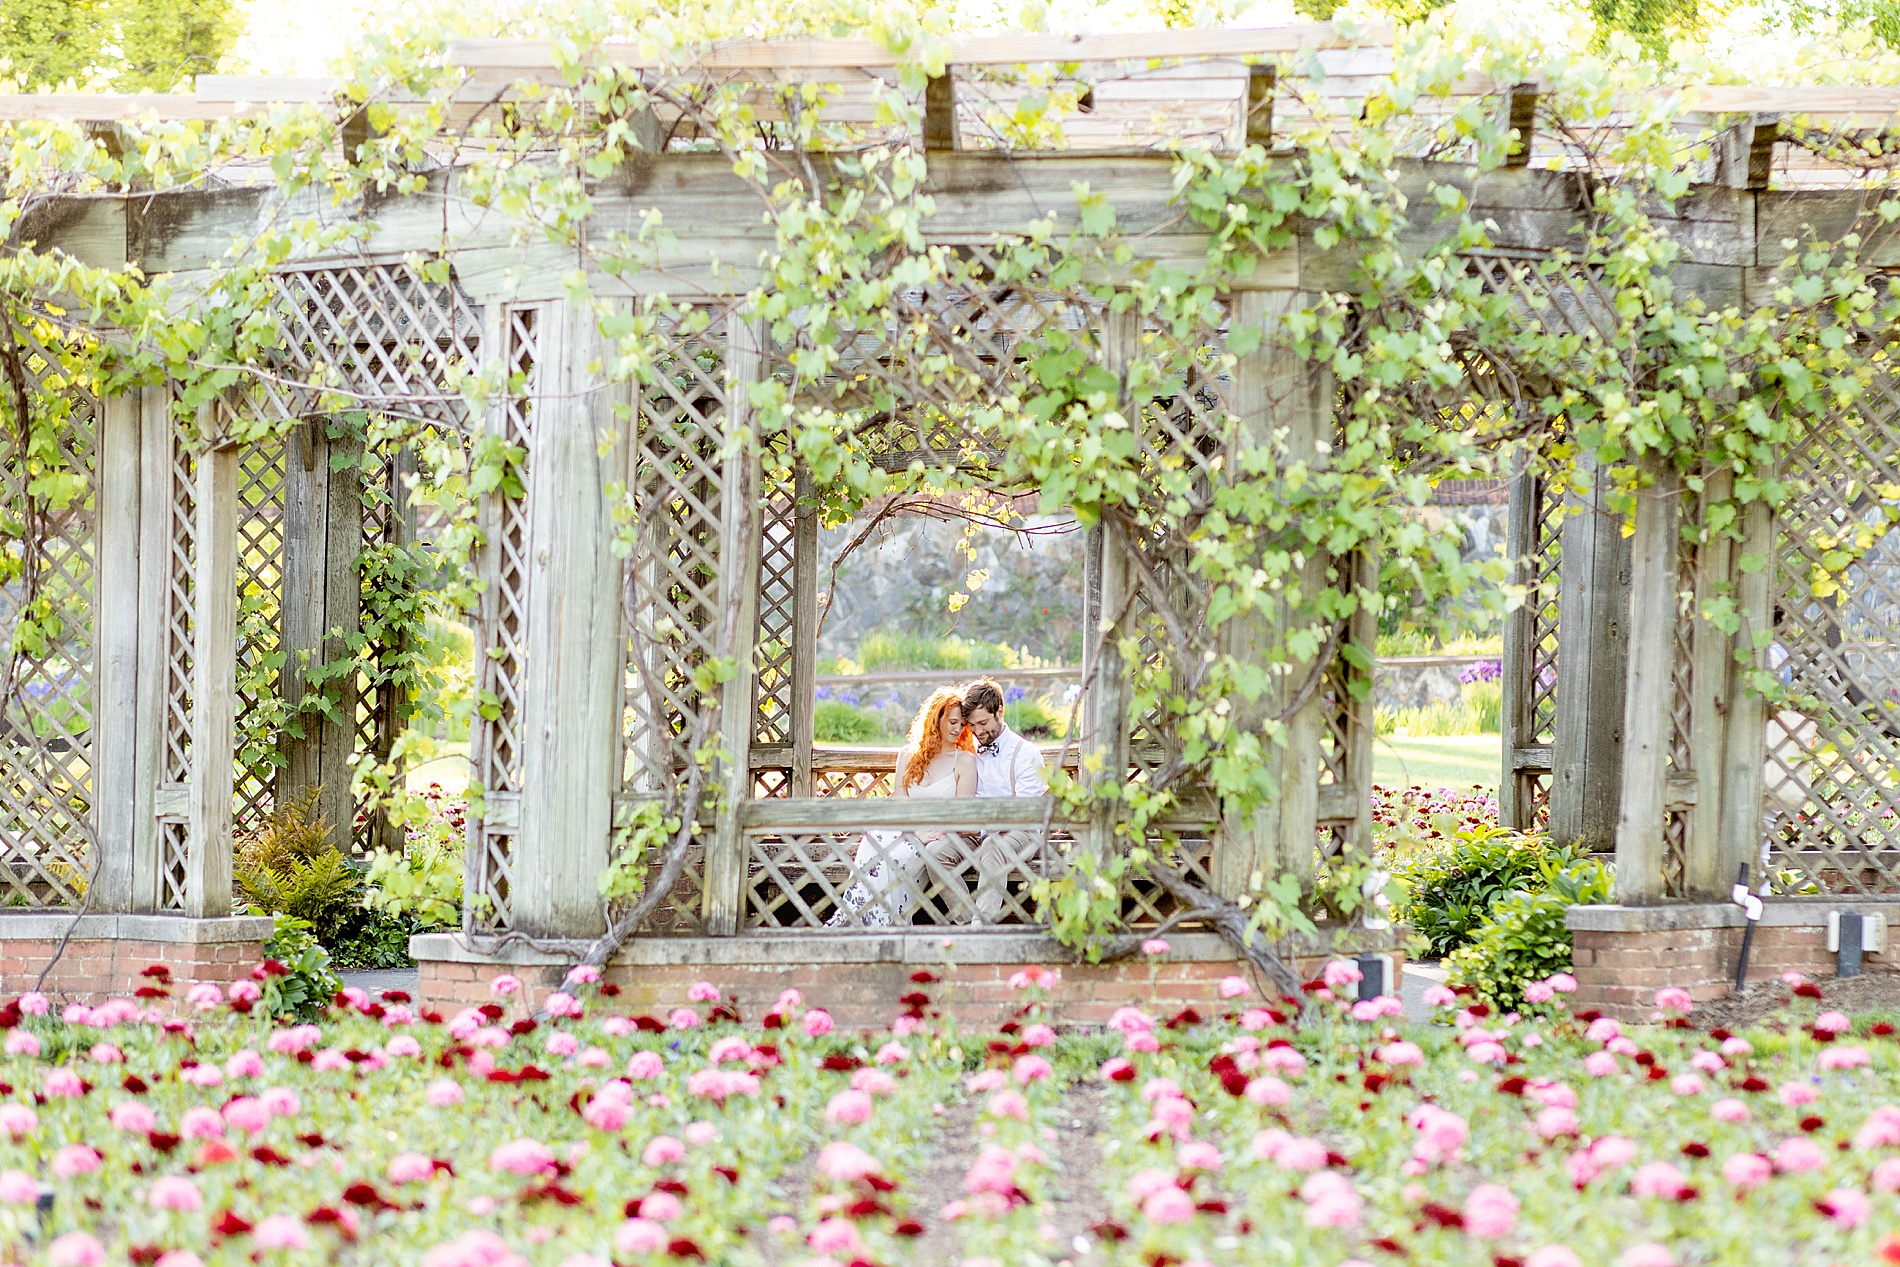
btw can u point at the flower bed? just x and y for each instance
(486, 1139)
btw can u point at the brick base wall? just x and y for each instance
(97, 964)
(1623, 955)
(862, 995)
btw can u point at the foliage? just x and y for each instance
(895, 650)
(290, 866)
(1034, 716)
(1525, 938)
(423, 883)
(133, 45)
(1479, 711)
(836, 721)
(1453, 884)
(305, 982)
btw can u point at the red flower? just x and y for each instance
(1811, 1123)
(230, 1224)
(1443, 1215)
(156, 970)
(923, 976)
(909, 1227)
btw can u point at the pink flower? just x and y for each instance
(1283, 1059)
(661, 1207)
(204, 996)
(844, 1162)
(817, 1023)
(1169, 1204)
(606, 1115)
(645, 1065)
(62, 1084)
(561, 1043)
(243, 992)
(244, 1064)
(1441, 1134)
(18, 1188)
(1234, 987)
(443, 1092)
(1599, 1064)
(1008, 1104)
(1687, 1084)
(1401, 1053)
(892, 1054)
(74, 1160)
(662, 1150)
(836, 1236)
(1602, 1030)
(563, 1004)
(1198, 1155)
(1648, 1254)
(22, 1042)
(247, 1114)
(1880, 1130)
(33, 1003)
(1612, 1151)
(1155, 946)
(1737, 1047)
(1747, 1170)
(1037, 1035)
(1340, 972)
(179, 1258)
(280, 1231)
(1674, 999)
(1130, 1020)
(1555, 1122)
(1302, 1156)
(703, 992)
(18, 1121)
(1331, 1200)
(522, 1157)
(403, 1046)
(1796, 1094)
(1848, 1207)
(849, 1108)
(639, 1236)
(1832, 1023)
(700, 1134)
(1729, 1109)
(410, 1168)
(1656, 1179)
(1029, 1069)
(1562, 983)
(201, 1123)
(76, 1249)
(1886, 1176)
(788, 999)
(1846, 1057)
(175, 1192)
(1490, 1211)
(505, 983)
(1553, 1256)
(1797, 1155)
(1439, 996)
(583, 974)
(281, 1101)
(683, 1018)
(1269, 1091)
(1708, 1062)
(1117, 1069)
(106, 1054)
(1539, 992)
(133, 1118)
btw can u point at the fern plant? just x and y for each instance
(290, 867)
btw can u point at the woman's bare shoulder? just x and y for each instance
(966, 760)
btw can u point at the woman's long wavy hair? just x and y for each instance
(926, 733)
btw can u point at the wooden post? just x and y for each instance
(804, 630)
(1260, 84)
(1710, 711)
(157, 435)
(322, 597)
(116, 632)
(1646, 712)
(1362, 632)
(1746, 748)
(1105, 724)
(571, 687)
(940, 112)
(739, 565)
(1520, 112)
(1518, 683)
(1274, 391)
(213, 677)
(1593, 634)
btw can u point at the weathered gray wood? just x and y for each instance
(213, 682)
(155, 561)
(116, 640)
(854, 814)
(739, 565)
(1520, 115)
(1517, 683)
(1747, 747)
(322, 594)
(1362, 632)
(392, 707)
(804, 631)
(1711, 705)
(1593, 633)
(940, 113)
(571, 689)
(1646, 720)
(1106, 737)
(1260, 84)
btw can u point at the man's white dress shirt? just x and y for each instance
(1009, 766)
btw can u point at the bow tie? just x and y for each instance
(991, 749)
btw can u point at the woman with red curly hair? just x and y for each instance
(938, 760)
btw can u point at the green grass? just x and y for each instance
(892, 651)
(1437, 761)
(834, 721)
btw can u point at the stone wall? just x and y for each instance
(108, 952)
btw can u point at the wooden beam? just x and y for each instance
(1593, 635)
(213, 682)
(1747, 747)
(940, 113)
(571, 706)
(1260, 84)
(117, 638)
(1871, 105)
(1646, 704)
(746, 343)
(1106, 739)
(1745, 153)
(1710, 709)
(156, 438)
(1517, 683)
(804, 629)
(872, 813)
(996, 50)
(1520, 113)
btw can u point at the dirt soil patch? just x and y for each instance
(1768, 1002)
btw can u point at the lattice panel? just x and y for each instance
(1681, 755)
(47, 829)
(180, 598)
(376, 334)
(1559, 298)
(678, 487)
(496, 746)
(260, 569)
(1833, 770)
(852, 783)
(1546, 565)
(1145, 904)
(896, 878)
(772, 687)
(771, 782)
(683, 912)
(173, 859)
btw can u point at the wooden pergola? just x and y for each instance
(1626, 718)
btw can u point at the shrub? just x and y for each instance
(836, 721)
(1034, 717)
(289, 867)
(1453, 883)
(1479, 711)
(1526, 939)
(306, 982)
